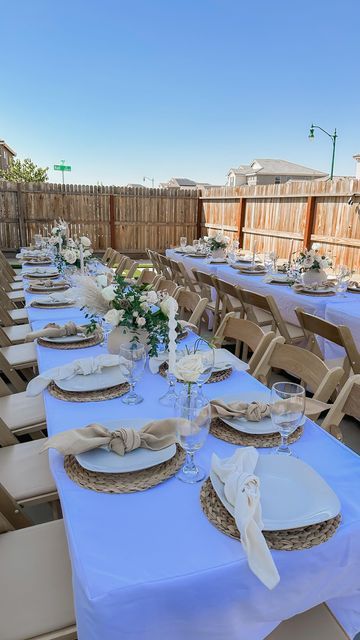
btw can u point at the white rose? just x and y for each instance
(165, 305)
(206, 238)
(152, 297)
(54, 230)
(87, 253)
(86, 242)
(189, 368)
(144, 306)
(114, 317)
(71, 243)
(135, 314)
(54, 240)
(109, 293)
(101, 280)
(70, 256)
(140, 321)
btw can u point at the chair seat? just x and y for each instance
(25, 472)
(18, 278)
(35, 582)
(17, 333)
(294, 330)
(19, 412)
(317, 623)
(17, 286)
(16, 296)
(19, 316)
(20, 355)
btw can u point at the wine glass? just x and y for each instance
(342, 274)
(196, 245)
(194, 415)
(183, 242)
(268, 262)
(133, 367)
(287, 406)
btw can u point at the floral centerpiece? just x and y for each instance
(76, 251)
(217, 244)
(137, 313)
(312, 264)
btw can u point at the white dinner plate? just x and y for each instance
(224, 359)
(54, 301)
(80, 337)
(41, 271)
(293, 494)
(109, 377)
(109, 462)
(319, 291)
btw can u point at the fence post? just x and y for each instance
(241, 220)
(309, 220)
(199, 217)
(112, 219)
(21, 213)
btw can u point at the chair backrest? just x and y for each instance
(6, 265)
(191, 306)
(115, 259)
(302, 364)
(339, 334)
(230, 297)
(347, 403)
(5, 280)
(4, 340)
(165, 266)
(166, 285)
(123, 261)
(5, 318)
(5, 301)
(109, 252)
(11, 513)
(11, 374)
(245, 332)
(147, 277)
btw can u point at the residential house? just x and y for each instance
(183, 183)
(6, 154)
(270, 171)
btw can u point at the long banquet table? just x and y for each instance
(342, 309)
(149, 565)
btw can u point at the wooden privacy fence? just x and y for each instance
(276, 217)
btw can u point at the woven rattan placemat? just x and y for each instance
(285, 540)
(51, 306)
(89, 396)
(81, 344)
(124, 482)
(216, 376)
(47, 290)
(223, 431)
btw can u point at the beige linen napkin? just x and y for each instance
(53, 330)
(313, 287)
(155, 435)
(242, 491)
(82, 366)
(253, 411)
(48, 284)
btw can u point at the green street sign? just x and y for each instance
(62, 167)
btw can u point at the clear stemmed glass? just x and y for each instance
(193, 426)
(196, 245)
(268, 262)
(183, 242)
(105, 328)
(287, 406)
(342, 274)
(133, 366)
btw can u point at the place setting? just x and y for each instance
(67, 336)
(47, 286)
(42, 272)
(53, 301)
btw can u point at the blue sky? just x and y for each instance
(121, 89)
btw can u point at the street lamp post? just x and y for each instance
(152, 180)
(333, 137)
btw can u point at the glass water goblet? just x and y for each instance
(268, 262)
(287, 407)
(194, 415)
(342, 274)
(133, 366)
(196, 245)
(183, 242)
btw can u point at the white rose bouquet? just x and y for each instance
(219, 241)
(313, 260)
(70, 252)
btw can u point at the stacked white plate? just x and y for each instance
(54, 300)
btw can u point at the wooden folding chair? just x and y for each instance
(147, 277)
(191, 306)
(244, 332)
(8, 284)
(165, 266)
(109, 252)
(11, 299)
(207, 285)
(36, 572)
(304, 365)
(16, 359)
(14, 334)
(347, 403)
(339, 335)
(153, 257)
(6, 266)
(165, 285)
(114, 260)
(265, 312)
(9, 317)
(318, 623)
(230, 298)
(19, 413)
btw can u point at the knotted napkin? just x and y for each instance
(354, 284)
(83, 366)
(155, 435)
(252, 411)
(53, 330)
(242, 491)
(48, 284)
(313, 286)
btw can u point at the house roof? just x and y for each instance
(4, 144)
(277, 167)
(183, 182)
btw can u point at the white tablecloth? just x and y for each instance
(286, 298)
(149, 566)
